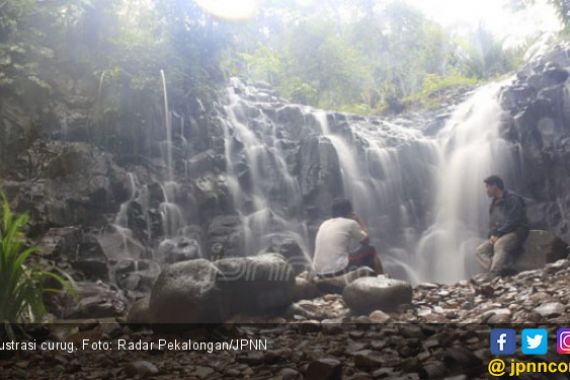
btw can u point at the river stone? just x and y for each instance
(540, 248)
(186, 292)
(324, 369)
(255, 284)
(366, 294)
(551, 309)
(378, 316)
(337, 284)
(140, 369)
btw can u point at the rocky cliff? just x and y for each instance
(538, 105)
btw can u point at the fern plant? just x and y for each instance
(22, 287)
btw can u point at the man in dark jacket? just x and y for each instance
(508, 228)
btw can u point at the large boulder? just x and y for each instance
(186, 292)
(540, 248)
(337, 284)
(198, 290)
(367, 294)
(255, 284)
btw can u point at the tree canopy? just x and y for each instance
(360, 56)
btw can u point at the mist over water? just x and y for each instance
(422, 197)
(470, 150)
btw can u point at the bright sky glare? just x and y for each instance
(511, 26)
(229, 9)
(493, 15)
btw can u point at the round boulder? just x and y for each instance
(366, 294)
(256, 284)
(186, 292)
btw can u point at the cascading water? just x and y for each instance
(470, 150)
(172, 217)
(265, 194)
(168, 127)
(422, 197)
(378, 179)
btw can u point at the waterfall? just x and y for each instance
(421, 196)
(470, 150)
(172, 218)
(168, 126)
(121, 219)
(265, 194)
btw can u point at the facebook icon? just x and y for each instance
(503, 341)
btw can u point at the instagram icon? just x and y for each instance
(563, 341)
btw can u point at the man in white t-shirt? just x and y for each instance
(342, 243)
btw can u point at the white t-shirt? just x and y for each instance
(336, 237)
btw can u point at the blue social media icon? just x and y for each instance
(534, 341)
(503, 341)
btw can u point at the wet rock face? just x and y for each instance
(179, 249)
(74, 184)
(319, 174)
(367, 294)
(224, 237)
(538, 117)
(540, 248)
(79, 248)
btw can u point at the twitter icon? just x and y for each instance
(534, 341)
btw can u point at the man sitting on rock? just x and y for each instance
(342, 244)
(508, 228)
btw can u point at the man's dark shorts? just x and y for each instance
(362, 257)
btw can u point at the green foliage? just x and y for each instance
(22, 287)
(374, 62)
(313, 54)
(484, 57)
(264, 64)
(434, 85)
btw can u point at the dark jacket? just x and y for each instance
(508, 215)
